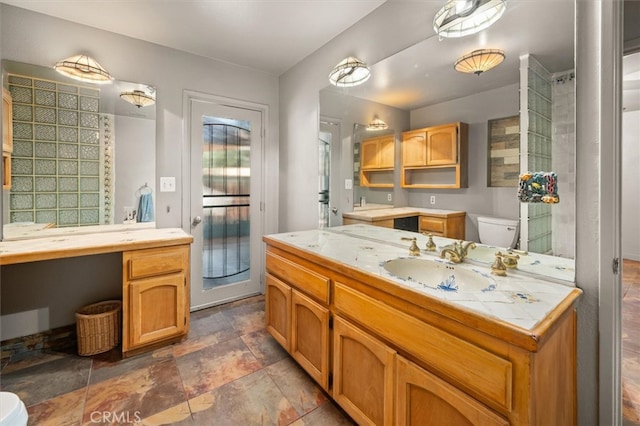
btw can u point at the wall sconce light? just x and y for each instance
(377, 124)
(479, 61)
(349, 72)
(459, 18)
(83, 68)
(138, 98)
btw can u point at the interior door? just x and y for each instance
(329, 146)
(225, 202)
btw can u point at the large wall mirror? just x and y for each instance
(536, 82)
(82, 156)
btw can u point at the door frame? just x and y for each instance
(187, 97)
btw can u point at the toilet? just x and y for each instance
(498, 232)
(12, 410)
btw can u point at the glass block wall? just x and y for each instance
(58, 159)
(537, 154)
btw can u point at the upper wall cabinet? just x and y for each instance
(435, 157)
(377, 161)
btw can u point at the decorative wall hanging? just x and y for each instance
(538, 187)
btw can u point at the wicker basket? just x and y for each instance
(98, 327)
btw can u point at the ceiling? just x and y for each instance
(252, 33)
(269, 35)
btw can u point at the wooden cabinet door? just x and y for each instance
(414, 148)
(378, 153)
(310, 337)
(278, 310)
(386, 151)
(158, 308)
(369, 154)
(363, 372)
(423, 399)
(442, 145)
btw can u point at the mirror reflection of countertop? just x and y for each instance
(519, 299)
(29, 230)
(398, 212)
(370, 206)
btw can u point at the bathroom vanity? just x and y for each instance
(416, 340)
(438, 222)
(155, 277)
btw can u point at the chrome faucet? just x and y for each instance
(457, 251)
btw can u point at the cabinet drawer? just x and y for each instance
(435, 225)
(306, 280)
(151, 262)
(484, 374)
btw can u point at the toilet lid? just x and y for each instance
(12, 410)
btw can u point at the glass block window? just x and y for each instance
(63, 152)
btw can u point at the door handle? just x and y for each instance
(196, 220)
(334, 210)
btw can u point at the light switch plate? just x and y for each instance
(168, 184)
(348, 184)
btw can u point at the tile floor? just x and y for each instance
(228, 372)
(631, 343)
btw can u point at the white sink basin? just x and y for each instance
(440, 276)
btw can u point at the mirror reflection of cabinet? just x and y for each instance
(377, 161)
(435, 157)
(7, 137)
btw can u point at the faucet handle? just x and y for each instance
(510, 259)
(431, 246)
(498, 267)
(414, 250)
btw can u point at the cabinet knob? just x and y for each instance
(334, 210)
(196, 220)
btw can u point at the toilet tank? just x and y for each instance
(498, 232)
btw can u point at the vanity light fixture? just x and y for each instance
(377, 124)
(349, 72)
(83, 68)
(138, 98)
(459, 18)
(479, 61)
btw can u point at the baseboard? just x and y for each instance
(61, 339)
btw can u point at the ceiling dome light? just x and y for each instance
(138, 98)
(377, 124)
(459, 18)
(350, 72)
(479, 61)
(83, 68)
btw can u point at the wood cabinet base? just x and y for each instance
(403, 358)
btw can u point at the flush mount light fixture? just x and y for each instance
(459, 18)
(83, 68)
(377, 124)
(349, 72)
(138, 98)
(479, 61)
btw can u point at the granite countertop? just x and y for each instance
(519, 299)
(397, 212)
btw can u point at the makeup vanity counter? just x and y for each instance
(413, 351)
(155, 277)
